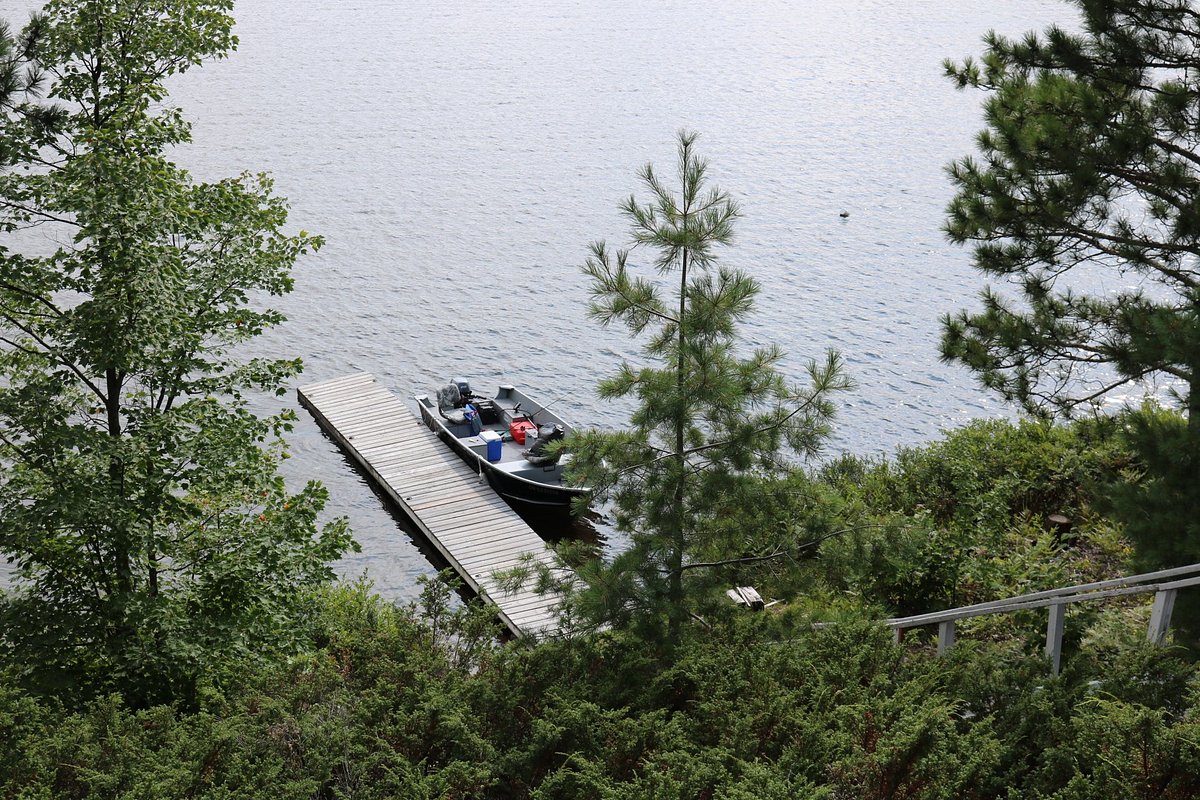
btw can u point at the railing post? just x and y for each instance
(897, 635)
(1160, 616)
(945, 636)
(1054, 635)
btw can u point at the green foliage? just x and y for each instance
(382, 710)
(1088, 175)
(373, 712)
(161, 555)
(1086, 168)
(155, 545)
(1155, 497)
(1141, 754)
(965, 518)
(1147, 490)
(1157, 492)
(983, 475)
(705, 415)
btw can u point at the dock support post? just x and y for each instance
(945, 637)
(1054, 635)
(1160, 616)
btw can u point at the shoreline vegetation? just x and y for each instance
(423, 701)
(176, 632)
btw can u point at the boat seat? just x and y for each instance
(448, 399)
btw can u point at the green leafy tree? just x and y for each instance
(154, 541)
(1084, 202)
(705, 415)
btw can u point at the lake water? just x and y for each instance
(459, 157)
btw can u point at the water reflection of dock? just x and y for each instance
(454, 508)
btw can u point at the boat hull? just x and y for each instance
(530, 492)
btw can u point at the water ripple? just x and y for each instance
(460, 157)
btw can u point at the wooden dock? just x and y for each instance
(455, 508)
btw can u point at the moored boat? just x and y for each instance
(506, 438)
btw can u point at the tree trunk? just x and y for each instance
(116, 474)
(676, 612)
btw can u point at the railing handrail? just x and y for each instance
(1098, 590)
(978, 611)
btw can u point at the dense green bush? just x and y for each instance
(423, 702)
(387, 707)
(964, 519)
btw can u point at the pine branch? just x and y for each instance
(778, 553)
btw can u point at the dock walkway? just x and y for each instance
(456, 509)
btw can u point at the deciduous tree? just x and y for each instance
(153, 538)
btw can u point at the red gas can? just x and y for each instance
(518, 427)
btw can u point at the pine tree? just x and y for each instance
(1085, 203)
(705, 414)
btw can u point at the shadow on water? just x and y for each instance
(556, 525)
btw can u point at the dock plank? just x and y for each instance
(484, 544)
(473, 529)
(440, 496)
(463, 507)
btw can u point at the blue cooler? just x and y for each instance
(493, 445)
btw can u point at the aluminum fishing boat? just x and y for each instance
(505, 438)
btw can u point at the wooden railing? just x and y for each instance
(1163, 584)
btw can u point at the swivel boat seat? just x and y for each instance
(449, 401)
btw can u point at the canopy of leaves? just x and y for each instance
(139, 501)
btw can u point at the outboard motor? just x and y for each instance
(464, 389)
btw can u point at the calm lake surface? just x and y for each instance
(459, 157)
